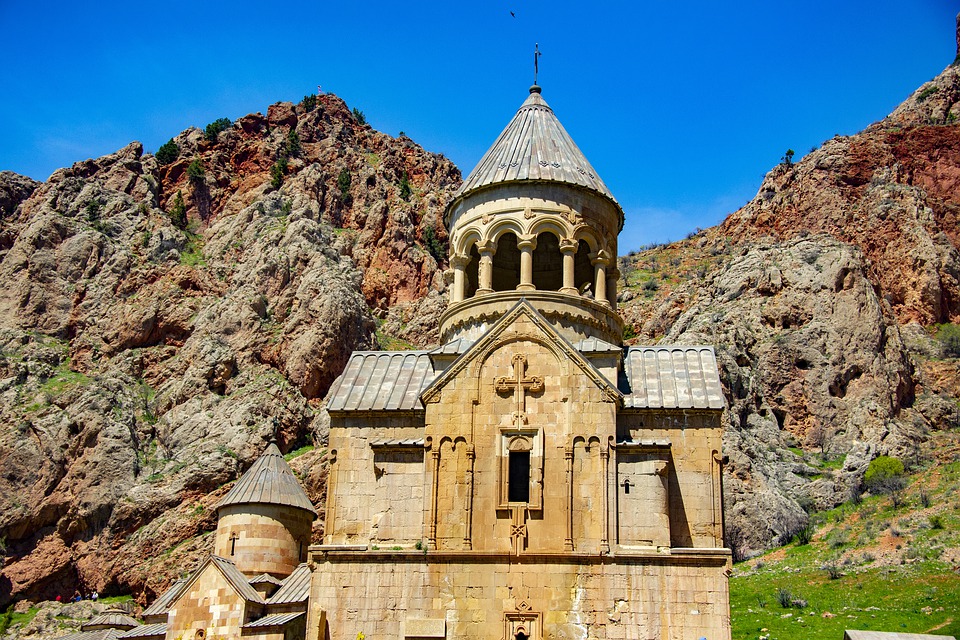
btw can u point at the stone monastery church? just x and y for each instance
(529, 479)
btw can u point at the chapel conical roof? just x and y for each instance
(269, 481)
(534, 147)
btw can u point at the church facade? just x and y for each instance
(530, 478)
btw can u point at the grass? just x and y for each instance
(297, 452)
(927, 596)
(871, 566)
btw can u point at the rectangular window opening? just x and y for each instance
(519, 487)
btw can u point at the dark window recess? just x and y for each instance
(519, 490)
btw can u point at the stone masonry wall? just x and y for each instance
(478, 598)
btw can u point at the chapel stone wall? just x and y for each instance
(210, 608)
(489, 598)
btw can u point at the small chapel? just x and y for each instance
(529, 479)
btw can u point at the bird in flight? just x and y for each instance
(513, 14)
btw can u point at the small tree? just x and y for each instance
(405, 187)
(787, 159)
(214, 128)
(196, 173)
(278, 171)
(168, 152)
(309, 103)
(293, 147)
(178, 212)
(884, 475)
(949, 336)
(343, 183)
(359, 117)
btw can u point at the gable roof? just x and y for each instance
(111, 618)
(274, 620)
(230, 573)
(296, 588)
(269, 481)
(522, 308)
(381, 381)
(534, 147)
(155, 630)
(672, 377)
(162, 604)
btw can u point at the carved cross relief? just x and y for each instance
(520, 384)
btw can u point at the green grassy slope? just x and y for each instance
(882, 565)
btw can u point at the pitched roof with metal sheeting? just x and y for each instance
(166, 599)
(382, 381)
(236, 579)
(274, 619)
(672, 377)
(99, 634)
(296, 588)
(534, 146)
(110, 619)
(156, 630)
(269, 481)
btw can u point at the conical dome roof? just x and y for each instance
(534, 147)
(269, 481)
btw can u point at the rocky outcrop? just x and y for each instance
(812, 361)
(892, 190)
(143, 365)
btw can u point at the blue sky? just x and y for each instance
(681, 107)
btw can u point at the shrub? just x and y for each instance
(651, 285)
(196, 172)
(405, 187)
(309, 103)
(214, 128)
(168, 152)
(784, 597)
(292, 146)
(435, 246)
(178, 212)
(787, 159)
(884, 475)
(949, 336)
(833, 571)
(805, 534)
(936, 522)
(93, 210)
(924, 498)
(927, 92)
(343, 183)
(278, 171)
(359, 117)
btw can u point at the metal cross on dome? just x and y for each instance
(520, 384)
(536, 61)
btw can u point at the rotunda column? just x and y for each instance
(568, 248)
(526, 244)
(600, 261)
(458, 290)
(485, 271)
(613, 276)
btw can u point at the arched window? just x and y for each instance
(547, 263)
(472, 274)
(506, 263)
(583, 269)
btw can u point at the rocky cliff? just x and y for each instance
(817, 294)
(159, 321)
